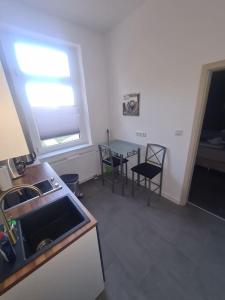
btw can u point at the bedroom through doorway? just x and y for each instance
(208, 182)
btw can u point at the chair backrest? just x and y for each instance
(105, 154)
(155, 154)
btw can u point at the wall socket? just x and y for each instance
(179, 132)
(141, 134)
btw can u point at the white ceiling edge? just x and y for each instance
(96, 15)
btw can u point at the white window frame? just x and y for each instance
(19, 80)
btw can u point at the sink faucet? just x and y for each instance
(8, 228)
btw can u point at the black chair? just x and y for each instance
(153, 166)
(113, 161)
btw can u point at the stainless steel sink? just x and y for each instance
(16, 198)
(45, 226)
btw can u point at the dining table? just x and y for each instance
(124, 149)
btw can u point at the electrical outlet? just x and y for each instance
(179, 132)
(141, 134)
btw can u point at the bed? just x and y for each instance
(211, 150)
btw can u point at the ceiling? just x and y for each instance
(99, 15)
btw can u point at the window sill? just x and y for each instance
(56, 155)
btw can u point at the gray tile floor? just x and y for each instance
(160, 252)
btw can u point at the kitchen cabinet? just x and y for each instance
(73, 274)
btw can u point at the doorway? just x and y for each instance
(202, 97)
(208, 182)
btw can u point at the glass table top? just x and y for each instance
(124, 148)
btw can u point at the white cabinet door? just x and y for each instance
(73, 274)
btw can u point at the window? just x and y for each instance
(48, 78)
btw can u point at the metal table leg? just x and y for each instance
(122, 179)
(138, 161)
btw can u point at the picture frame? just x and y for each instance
(131, 104)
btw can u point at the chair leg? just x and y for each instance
(149, 197)
(145, 182)
(132, 184)
(102, 172)
(113, 180)
(160, 186)
(126, 174)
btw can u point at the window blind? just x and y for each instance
(56, 122)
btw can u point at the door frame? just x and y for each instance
(202, 97)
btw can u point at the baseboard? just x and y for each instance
(171, 198)
(165, 195)
(88, 178)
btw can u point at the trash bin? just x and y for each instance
(72, 181)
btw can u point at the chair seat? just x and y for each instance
(146, 170)
(116, 161)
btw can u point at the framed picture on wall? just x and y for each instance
(131, 105)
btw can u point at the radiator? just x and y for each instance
(85, 163)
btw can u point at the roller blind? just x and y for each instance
(49, 90)
(56, 122)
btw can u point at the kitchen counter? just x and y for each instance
(33, 175)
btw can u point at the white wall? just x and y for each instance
(93, 53)
(159, 51)
(94, 61)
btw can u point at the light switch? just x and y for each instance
(179, 132)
